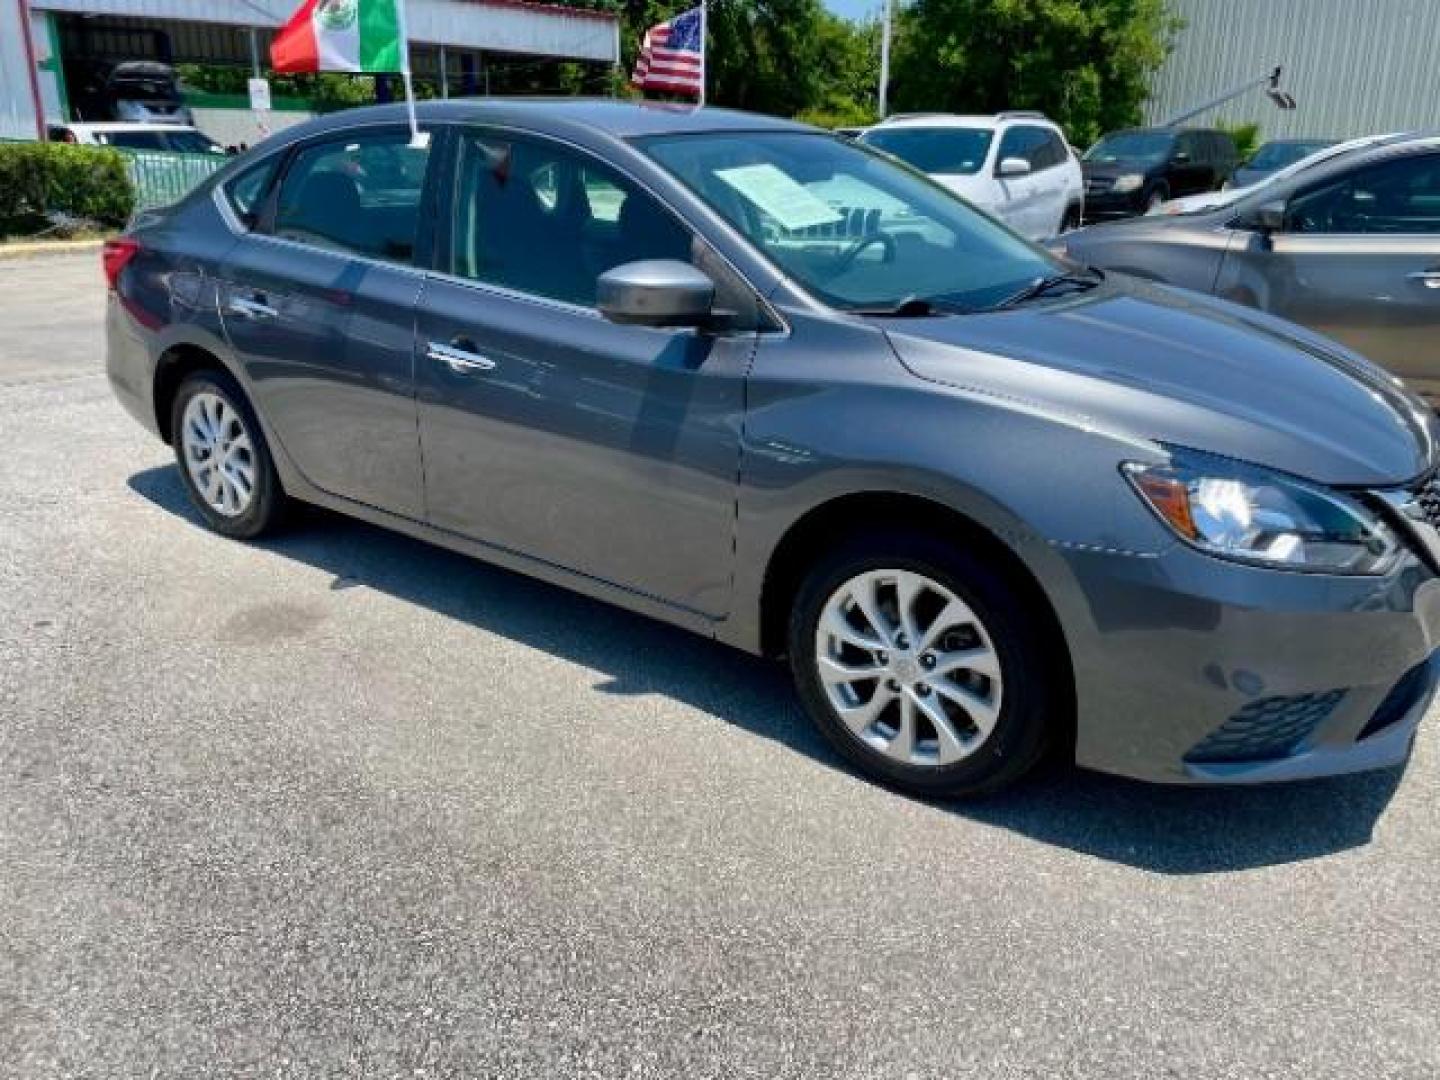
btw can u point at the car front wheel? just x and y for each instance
(921, 665)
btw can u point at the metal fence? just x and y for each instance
(161, 178)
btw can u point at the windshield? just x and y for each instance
(1278, 155)
(192, 142)
(178, 140)
(1148, 146)
(851, 226)
(948, 150)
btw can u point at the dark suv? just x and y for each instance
(1133, 172)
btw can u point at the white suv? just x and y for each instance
(1015, 165)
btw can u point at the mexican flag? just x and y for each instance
(342, 35)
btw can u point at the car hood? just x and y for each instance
(1148, 362)
(1112, 169)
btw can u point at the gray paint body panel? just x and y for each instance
(661, 469)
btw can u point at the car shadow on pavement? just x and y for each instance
(1170, 830)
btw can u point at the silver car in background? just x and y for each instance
(1350, 248)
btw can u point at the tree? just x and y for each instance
(1084, 63)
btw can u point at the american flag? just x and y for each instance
(672, 56)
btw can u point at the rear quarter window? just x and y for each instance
(246, 192)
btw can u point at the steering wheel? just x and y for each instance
(850, 254)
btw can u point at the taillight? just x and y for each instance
(116, 256)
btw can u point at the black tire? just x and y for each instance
(1029, 715)
(267, 506)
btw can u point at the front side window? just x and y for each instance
(543, 219)
(1400, 197)
(358, 193)
(853, 228)
(941, 151)
(1028, 144)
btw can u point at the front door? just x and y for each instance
(319, 305)
(1359, 260)
(607, 450)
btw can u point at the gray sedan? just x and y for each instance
(1350, 248)
(766, 385)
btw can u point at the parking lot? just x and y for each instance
(342, 803)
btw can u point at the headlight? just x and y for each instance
(1247, 513)
(1128, 182)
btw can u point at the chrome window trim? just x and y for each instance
(238, 229)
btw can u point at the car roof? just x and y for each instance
(1388, 148)
(125, 125)
(608, 116)
(971, 120)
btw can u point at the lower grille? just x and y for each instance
(1266, 730)
(1427, 498)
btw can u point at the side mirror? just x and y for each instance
(656, 292)
(1013, 166)
(1269, 218)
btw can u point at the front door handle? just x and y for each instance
(460, 361)
(251, 309)
(1429, 278)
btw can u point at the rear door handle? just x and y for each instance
(252, 309)
(1429, 278)
(460, 361)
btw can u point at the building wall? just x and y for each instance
(1355, 66)
(538, 29)
(17, 98)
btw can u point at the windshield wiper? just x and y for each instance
(1044, 286)
(913, 307)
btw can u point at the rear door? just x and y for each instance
(1049, 160)
(1359, 260)
(609, 451)
(318, 302)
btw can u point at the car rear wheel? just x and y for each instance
(224, 460)
(921, 666)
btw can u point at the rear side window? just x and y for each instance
(358, 193)
(247, 191)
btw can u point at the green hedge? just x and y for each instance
(86, 182)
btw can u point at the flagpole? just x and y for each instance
(704, 48)
(885, 33)
(420, 140)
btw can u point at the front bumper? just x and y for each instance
(1108, 206)
(1192, 669)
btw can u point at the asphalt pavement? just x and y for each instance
(344, 804)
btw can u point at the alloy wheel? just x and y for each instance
(218, 454)
(908, 667)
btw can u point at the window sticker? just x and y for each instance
(780, 196)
